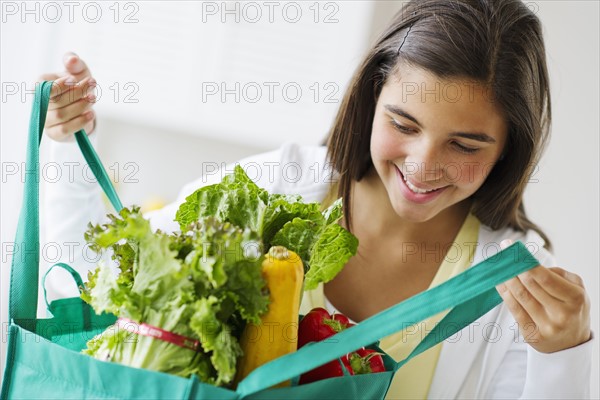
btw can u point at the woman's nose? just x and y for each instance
(426, 162)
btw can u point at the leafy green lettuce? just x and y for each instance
(204, 284)
(285, 220)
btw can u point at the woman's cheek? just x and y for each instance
(380, 150)
(469, 174)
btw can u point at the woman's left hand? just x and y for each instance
(550, 306)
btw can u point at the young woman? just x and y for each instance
(431, 152)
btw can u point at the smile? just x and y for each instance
(416, 189)
(415, 194)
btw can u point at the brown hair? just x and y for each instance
(497, 43)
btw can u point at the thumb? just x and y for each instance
(505, 243)
(74, 65)
(501, 288)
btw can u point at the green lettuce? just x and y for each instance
(205, 284)
(323, 245)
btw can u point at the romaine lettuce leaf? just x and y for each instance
(279, 219)
(328, 255)
(236, 199)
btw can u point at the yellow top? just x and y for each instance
(413, 380)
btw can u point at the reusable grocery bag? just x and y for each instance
(44, 359)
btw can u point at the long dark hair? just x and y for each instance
(497, 43)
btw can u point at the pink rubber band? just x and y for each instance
(158, 333)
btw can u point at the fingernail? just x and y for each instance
(505, 243)
(92, 82)
(523, 277)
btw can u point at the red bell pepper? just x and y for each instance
(319, 325)
(366, 361)
(329, 370)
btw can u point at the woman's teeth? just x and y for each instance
(414, 188)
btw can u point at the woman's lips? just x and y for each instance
(419, 198)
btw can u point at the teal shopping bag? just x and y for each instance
(44, 359)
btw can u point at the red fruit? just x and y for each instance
(318, 325)
(342, 319)
(329, 370)
(366, 361)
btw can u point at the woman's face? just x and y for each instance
(434, 141)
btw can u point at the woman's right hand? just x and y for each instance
(71, 100)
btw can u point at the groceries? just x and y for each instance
(277, 333)
(319, 325)
(184, 299)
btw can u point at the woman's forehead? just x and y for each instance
(456, 101)
(421, 83)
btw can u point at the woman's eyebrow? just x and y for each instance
(398, 111)
(479, 136)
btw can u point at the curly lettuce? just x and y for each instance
(204, 284)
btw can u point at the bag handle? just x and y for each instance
(74, 274)
(86, 310)
(24, 274)
(472, 293)
(457, 319)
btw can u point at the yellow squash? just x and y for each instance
(277, 333)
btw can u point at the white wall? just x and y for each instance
(564, 201)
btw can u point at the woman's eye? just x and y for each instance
(401, 128)
(458, 146)
(465, 149)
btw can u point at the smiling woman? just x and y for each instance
(432, 147)
(430, 152)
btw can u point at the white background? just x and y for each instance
(165, 136)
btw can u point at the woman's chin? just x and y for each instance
(412, 214)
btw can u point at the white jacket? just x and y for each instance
(488, 359)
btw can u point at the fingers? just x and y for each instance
(515, 306)
(505, 243)
(75, 66)
(525, 298)
(550, 306)
(527, 279)
(562, 285)
(64, 131)
(76, 71)
(555, 282)
(576, 279)
(71, 100)
(65, 92)
(67, 113)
